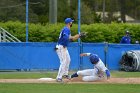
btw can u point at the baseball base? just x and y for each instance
(47, 79)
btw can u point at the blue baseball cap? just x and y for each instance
(94, 58)
(68, 20)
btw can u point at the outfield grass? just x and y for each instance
(69, 88)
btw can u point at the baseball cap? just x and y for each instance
(68, 20)
(94, 58)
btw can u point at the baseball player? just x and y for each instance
(97, 73)
(126, 39)
(61, 49)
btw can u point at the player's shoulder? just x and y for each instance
(66, 28)
(124, 37)
(101, 62)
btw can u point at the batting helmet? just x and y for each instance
(68, 20)
(94, 58)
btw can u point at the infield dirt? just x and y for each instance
(75, 80)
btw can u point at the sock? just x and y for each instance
(74, 75)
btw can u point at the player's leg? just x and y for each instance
(87, 72)
(62, 56)
(90, 75)
(91, 78)
(67, 63)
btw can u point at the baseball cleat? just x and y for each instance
(59, 80)
(67, 77)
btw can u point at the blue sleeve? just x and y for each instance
(66, 34)
(107, 73)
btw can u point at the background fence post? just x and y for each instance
(105, 52)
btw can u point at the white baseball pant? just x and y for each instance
(64, 57)
(89, 75)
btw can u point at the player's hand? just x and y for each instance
(83, 34)
(83, 54)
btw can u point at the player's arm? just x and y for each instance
(107, 73)
(75, 37)
(85, 54)
(104, 69)
(81, 35)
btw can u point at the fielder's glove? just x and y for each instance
(83, 34)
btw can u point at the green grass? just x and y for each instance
(123, 74)
(69, 88)
(26, 75)
(35, 75)
(64, 88)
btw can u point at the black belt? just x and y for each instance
(57, 48)
(62, 45)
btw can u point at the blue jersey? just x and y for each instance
(125, 40)
(64, 36)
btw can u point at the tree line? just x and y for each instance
(13, 10)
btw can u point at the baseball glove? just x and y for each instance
(83, 34)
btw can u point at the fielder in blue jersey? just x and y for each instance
(96, 73)
(126, 39)
(61, 49)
